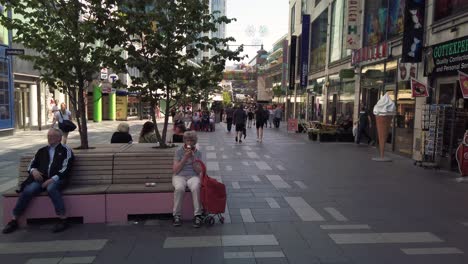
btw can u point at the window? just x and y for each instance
(445, 8)
(384, 20)
(293, 18)
(303, 7)
(4, 91)
(318, 45)
(337, 40)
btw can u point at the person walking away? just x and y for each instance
(271, 115)
(188, 119)
(239, 119)
(229, 116)
(260, 122)
(250, 116)
(363, 125)
(196, 120)
(48, 171)
(122, 134)
(277, 116)
(187, 175)
(59, 116)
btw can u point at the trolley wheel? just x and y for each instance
(221, 219)
(207, 219)
(211, 221)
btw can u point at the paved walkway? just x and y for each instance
(289, 201)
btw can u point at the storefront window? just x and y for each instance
(404, 119)
(337, 41)
(340, 101)
(385, 20)
(4, 94)
(446, 8)
(318, 44)
(293, 18)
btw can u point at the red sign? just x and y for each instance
(293, 125)
(462, 156)
(376, 52)
(418, 89)
(463, 78)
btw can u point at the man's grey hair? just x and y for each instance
(190, 135)
(56, 130)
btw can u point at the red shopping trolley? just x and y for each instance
(213, 197)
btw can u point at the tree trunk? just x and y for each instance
(155, 121)
(84, 121)
(167, 113)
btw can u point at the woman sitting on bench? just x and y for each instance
(185, 174)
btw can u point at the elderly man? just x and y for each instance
(48, 171)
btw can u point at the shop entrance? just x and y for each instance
(454, 118)
(22, 107)
(370, 96)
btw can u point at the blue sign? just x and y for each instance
(304, 68)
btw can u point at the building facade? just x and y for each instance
(340, 81)
(6, 81)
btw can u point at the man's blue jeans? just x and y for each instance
(35, 188)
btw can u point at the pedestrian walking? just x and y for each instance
(271, 116)
(250, 116)
(364, 123)
(59, 117)
(260, 117)
(188, 119)
(278, 113)
(229, 116)
(239, 119)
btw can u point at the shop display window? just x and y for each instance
(318, 45)
(404, 119)
(446, 8)
(4, 92)
(385, 20)
(337, 40)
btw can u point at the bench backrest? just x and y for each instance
(87, 169)
(153, 166)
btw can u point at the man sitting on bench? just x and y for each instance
(49, 171)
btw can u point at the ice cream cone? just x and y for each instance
(383, 127)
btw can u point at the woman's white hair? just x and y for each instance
(123, 127)
(190, 135)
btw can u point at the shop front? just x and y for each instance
(443, 63)
(340, 99)
(315, 99)
(6, 94)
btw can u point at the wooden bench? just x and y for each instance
(128, 194)
(108, 187)
(90, 177)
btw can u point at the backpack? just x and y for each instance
(266, 115)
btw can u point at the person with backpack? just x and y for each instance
(239, 119)
(260, 115)
(59, 117)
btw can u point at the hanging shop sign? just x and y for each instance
(292, 62)
(414, 31)
(305, 50)
(447, 58)
(406, 71)
(347, 73)
(284, 73)
(418, 89)
(463, 79)
(372, 53)
(353, 36)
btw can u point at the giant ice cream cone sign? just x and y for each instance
(384, 111)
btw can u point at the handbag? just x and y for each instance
(66, 125)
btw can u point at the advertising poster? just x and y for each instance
(353, 36)
(121, 107)
(406, 71)
(463, 78)
(305, 50)
(374, 27)
(292, 62)
(418, 89)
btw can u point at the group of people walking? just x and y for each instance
(259, 117)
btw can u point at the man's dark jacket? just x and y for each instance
(61, 164)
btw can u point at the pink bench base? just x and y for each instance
(119, 206)
(91, 207)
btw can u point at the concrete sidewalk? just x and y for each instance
(290, 200)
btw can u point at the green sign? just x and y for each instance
(346, 73)
(447, 58)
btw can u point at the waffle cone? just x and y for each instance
(383, 127)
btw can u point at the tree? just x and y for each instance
(227, 100)
(163, 38)
(72, 40)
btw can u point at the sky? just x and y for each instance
(258, 21)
